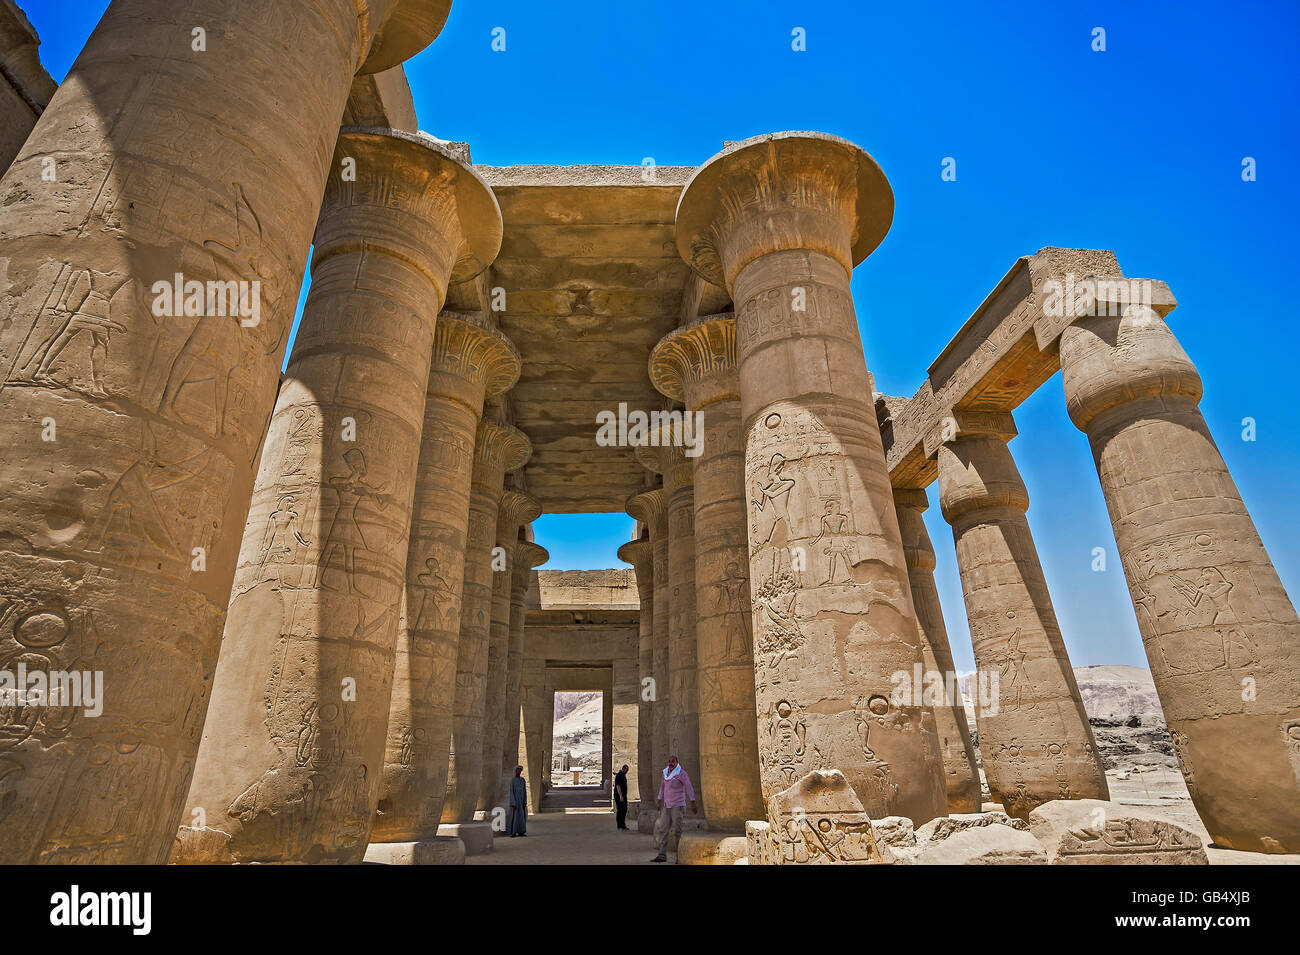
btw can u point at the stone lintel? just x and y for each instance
(961, 424)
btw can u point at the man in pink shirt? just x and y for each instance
(674, 791)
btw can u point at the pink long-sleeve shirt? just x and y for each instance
(677, 790)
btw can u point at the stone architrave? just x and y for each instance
(696, 364)
(527, 556)
(471, 361)
(288, 769)
(960, 773)
(498, 448)
(640, 554)
(1092, 832)
(122, 534)
(516, 508)
(670, 460)
(1033, 731)
(1221, 635)
(780, 221)
(651, 509)
(818, 821)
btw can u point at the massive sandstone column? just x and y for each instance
(516, 508)
(683, 721)
(527, 556)
(640, 554)
(498, 448)
(651, 509)
(697, 364)
(289, 765)
(470, 361)
(1033, 732)
(781, 220)
(1221, 635)
(120, 534)
(961, 775)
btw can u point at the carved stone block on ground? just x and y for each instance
(1093, 832)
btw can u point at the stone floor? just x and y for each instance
(570, 838)
(576, 799)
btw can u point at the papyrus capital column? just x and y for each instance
(651, 509)
(302, 690)
(1034, 734)
(1220, 632)
(172, 166)
(696, 364)
(961, 775)
(640, 554)
(516, 508)
(781, 220)
(498, 448)
(471, 361)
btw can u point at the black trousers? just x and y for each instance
(622, 813)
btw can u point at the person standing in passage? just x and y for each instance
(620, 796)
(674, 792)
(517, 820)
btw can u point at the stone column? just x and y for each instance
(516, 508)
(1221, 635)
(683, 721)
(133, 429)
(625, 723)
(780, 221)
(961, 774)
(651, 509)
(640, 554)
(498, 448)
(534, 700)
(302, 689)
(470, 361)
(1033, 732)
(697, 364)
(527, 556)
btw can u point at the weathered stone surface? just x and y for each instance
(527, 556)
(440, 850)
(818, 821)
(475, 836)
(1209, 603)
(289, 765)
(1095, 832)
(651, 508)
(994, 844)
(25, 87)
(711, 848)
(782, 220)
(165, 167)
(640, 554)
(1034, 735)
(697, 364)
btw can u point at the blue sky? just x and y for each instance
(1136, 149)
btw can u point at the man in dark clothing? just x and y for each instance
(620, 796)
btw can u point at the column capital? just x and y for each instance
(912, 498)
(405, 28)
(963, 424)
(499, 447)
(406, 194)
(696, 364)
(650, 508)
(639, 553)
(977, 472)
(781, 192)
(668, 457)
(516, 508)
(466, 347)
(529, 555)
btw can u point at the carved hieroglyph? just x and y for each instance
(697, 364)
(1221, 635)
(640, 554)
(527, 556)
(781, 220)
(120, 535)
(949, 715)
(651, 508)
(1034, 735)
(818, 820)
(516, 508)
(498, 448)
(683, 720)
(470, 361)
(289, 765)
(1092, 832)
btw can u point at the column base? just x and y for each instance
(477, 836)
(645, 820)
(712, 848)
(440, 850)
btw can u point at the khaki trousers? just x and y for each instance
(670, 817)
